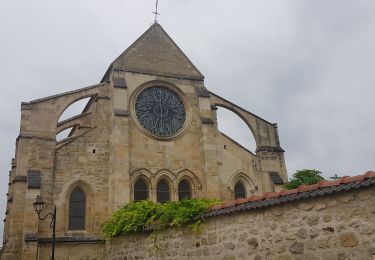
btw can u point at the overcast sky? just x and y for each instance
(307, 65)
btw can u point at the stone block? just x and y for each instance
(348, 239)
(327, 218)
(253, 243)
(312, 220)
(230, 246)
(297, 248)
(302, 233)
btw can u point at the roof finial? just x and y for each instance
(156, 11)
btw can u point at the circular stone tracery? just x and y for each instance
(160, 111)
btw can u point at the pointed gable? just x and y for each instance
(156, 53)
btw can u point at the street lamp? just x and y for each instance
(38, 207)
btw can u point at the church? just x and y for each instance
(149, 131)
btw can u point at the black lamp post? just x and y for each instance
(38, 206)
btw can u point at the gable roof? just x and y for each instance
(322, 188)
(156, 53)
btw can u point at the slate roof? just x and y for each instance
(155, 52)
(302, 192)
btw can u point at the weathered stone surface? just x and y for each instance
(252, 242)
(302, 233)
(327, 218)
(230, 246)
(234, 238)
(297, 248)
(364, 195)
(306, 206)
(212, 238)
(348, 240)
(273, 226)
(320, 206)
(312, 220)
(281, 248)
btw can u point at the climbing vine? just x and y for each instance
(149, 216)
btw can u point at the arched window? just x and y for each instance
(77, 210)
(184, 191)
(140, 190)
(239, 190)
(162, 191)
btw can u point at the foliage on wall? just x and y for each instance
(146, 215)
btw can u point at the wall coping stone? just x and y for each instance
(322, 188)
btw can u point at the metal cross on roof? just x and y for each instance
(156, 11)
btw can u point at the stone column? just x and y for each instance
(119, 186)
(209, 150)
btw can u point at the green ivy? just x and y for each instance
(146, 215)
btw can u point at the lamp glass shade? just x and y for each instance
(38, 204)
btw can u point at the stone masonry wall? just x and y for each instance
(337, 227)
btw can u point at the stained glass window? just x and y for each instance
(160, 111)
(162, 191)
(184, 191)
(239, 190)
(140, 190)
(77, 210)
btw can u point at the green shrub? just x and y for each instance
(147, 215)
(303, 177)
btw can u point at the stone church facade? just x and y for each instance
(149, 131)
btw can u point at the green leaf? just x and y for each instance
(303, 177)
(138, 216)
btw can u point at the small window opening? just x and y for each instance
(239, 190)
(77, 208)
(140, 190)
(184, 191)
(162, 190)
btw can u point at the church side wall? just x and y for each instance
(234, 162)
(77, 165)
(340, 226)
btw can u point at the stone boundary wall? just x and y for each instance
(334, 227)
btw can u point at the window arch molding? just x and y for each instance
(146, 176)
(192, 179)
(245, 180)
(88, 192)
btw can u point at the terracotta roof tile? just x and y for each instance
(345, 179)
(287, 192)
(217, 206)
(329, 183)
(369, 174)
(255, 198)
(268, 195)
(240, 201)
(271, 198)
